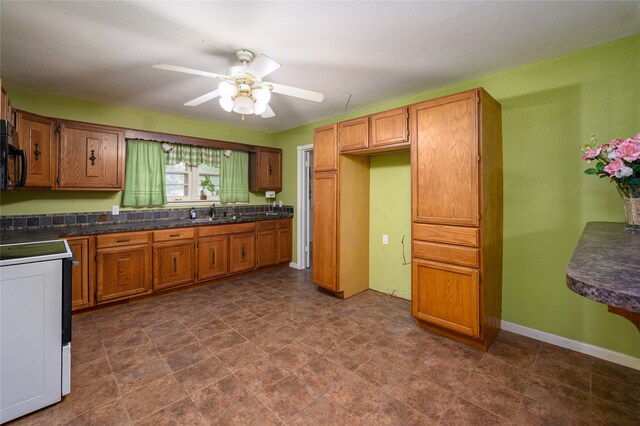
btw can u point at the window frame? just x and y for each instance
(192, 174)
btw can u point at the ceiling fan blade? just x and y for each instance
(204, 98)
(190, 71)
(268, 113)
(262, 65)
(296, 92)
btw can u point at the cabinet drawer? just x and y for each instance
(447, 254)
(174, 234)
(459, 235)
(123, 239)
(266, 225)
(284, 223)
(206, 231)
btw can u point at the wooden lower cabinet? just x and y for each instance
(447, 296)
(266, 243)
(173, 263)
(242, 252)
(212, 257)
(284, 250)
(123, 265)
(82, 285)
(123, 271)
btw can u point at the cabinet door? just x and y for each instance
(90, 157)
(389, 128)
(446, 295)
(270, 172)
(284, 250)
(354, 134)
(265, 170)
(212, 257)
(36, 135)
(325, 228)
(82, 273)
(242, 252)
(123, 272)
(266, 251)
(6, 111)
(173, 264)
(325, 148)
(444, 160)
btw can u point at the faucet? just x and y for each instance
(213, 211)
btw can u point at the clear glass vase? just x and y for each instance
(631, 197)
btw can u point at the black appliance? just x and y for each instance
(13, 160)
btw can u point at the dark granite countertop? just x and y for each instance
(605, 266)
(52, 233)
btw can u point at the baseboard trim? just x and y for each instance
(294, 266)
(585, 348)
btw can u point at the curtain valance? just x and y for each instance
(193, 155)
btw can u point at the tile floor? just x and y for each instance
(271, 349)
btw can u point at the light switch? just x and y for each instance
(385, 239)
(115, 210)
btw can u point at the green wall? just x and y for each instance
(549, 109)
(34, 202)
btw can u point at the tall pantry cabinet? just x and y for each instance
(341, 217)
(456, 191)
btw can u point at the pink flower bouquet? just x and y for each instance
(618, 160)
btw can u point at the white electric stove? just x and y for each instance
(35, 326)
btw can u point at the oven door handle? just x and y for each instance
(67, 270)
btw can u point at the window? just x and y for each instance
(185, 183)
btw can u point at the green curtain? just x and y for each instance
(193, 155)
(234, 177)
(144, 180)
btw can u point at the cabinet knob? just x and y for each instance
(244, 253)
(37, 151)
(213, 257)
(93, 157)
(175, 264)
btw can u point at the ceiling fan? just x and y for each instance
(243, 90)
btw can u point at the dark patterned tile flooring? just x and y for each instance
(272, 349)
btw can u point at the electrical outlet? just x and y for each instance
(280, 203)
(115, 210)
(385, 239)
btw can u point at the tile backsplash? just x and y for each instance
(89, 218)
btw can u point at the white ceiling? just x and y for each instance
(376, 51)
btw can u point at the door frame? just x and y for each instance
(302, 223)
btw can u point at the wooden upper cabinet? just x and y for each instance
(325, 148)
(444, 160)
(36, 135)
(325, 230)
(6, 111)
(265, 169)
(90, 157)
(447, 296)
(353, 135)
(389, 128)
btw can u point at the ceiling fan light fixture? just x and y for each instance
(262, 95)
(226, 104)
(227, 90)
(243, 105)
(260, 107)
